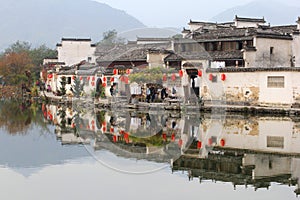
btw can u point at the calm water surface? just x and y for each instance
(60, 152)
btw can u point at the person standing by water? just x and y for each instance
(148, 94)
(164, 93)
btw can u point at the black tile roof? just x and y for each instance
(77, 39)
(246, 19)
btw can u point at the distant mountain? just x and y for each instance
(47, 21)
(275, 12)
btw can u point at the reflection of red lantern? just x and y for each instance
(210, 141)
(88, 78)
(104, 79)
(180, 142)
(127, 71)
(93, 79)
(112, 79)
(93, 122)
(112, 130)
(173, 137)
(199, 145)
(223, 77)
(115, 71)
(211, 77)
(173, 77)
(199, 73)
(222, 142)
(164, 77)
(81, 78)
(180, 73)
(104, 129)
(73, 77)
(164, 136)
(93, 127)
(93, 84)
(103, 84)
(50, 76)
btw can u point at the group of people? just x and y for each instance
(153, 93)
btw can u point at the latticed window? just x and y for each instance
(276, 82)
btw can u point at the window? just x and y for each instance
(275, 142)
(271, 50)
(69, 81)
(275, 81)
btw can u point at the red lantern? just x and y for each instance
(173, 77)
(81, 78)
(93, 127)
(199, 145)
(112, 130)
(112, 79)
(104, 129)
(93, 122)
(115, 139)
(164, 136)
(199, 73)
(103, 84)
(165, 77)
(223, 77)
(180, 73)
(211, 77)
(210, 141)
(126, 136)
(127, 71)
(93, 79)
(126, 79)
(104, 124)
(88, 78)
(115, 71)
(104, 79)
(50, 76)
(93, 84)
(73, 77)
(222, 142)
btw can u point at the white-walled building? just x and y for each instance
(72, 51)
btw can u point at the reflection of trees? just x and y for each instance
(17, 117)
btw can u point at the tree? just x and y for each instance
(111, 37)
(63, 83)
(13, 67)
(19, 57)
(77, 87)
(18, 47)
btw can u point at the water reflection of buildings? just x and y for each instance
(246, 151)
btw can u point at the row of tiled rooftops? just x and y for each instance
(282, 32)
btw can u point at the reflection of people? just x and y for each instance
(111, 90)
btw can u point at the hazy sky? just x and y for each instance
(176, 13)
